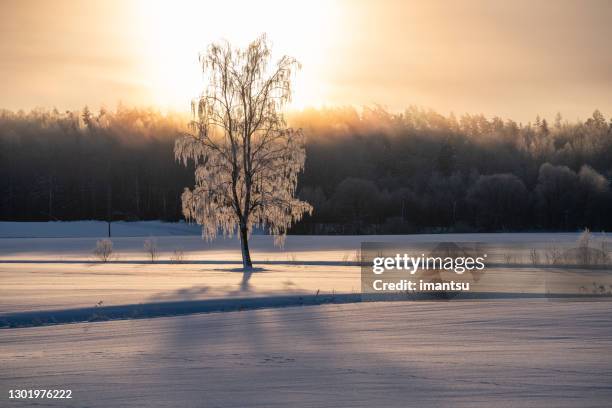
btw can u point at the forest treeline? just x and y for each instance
(367, 171)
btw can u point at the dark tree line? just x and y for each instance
(366, 172)
(420, 171)
(81, 165)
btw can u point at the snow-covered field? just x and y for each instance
(60, 273)
(79, 229)
(515, 352)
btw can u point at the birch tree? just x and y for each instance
(247, 159)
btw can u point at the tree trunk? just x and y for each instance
(244, 243)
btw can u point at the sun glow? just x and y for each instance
(176, 32)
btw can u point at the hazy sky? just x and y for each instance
(508, 58)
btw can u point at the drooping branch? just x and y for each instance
(247, 160)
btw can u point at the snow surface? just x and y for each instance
(60, 273)
(504, 353)
(513, 353)
(60, 229)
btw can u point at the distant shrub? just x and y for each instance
(586, 253)
(150, 247)
(178, 256)
(103, 250)
(553, 256)
(584, 241)
(534, 256)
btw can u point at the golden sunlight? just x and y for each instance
(479, 56)
(175, 32)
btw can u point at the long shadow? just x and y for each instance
(286, 358)
(185, 307)
(160, 309)
(163, 262)
(195, 292)
(246, 277)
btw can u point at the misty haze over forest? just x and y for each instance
(367, 171)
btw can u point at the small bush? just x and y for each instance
(584, 253)
(178, 256)
(103, 250)
(534, 256)
(553, 255)
(150, 247)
